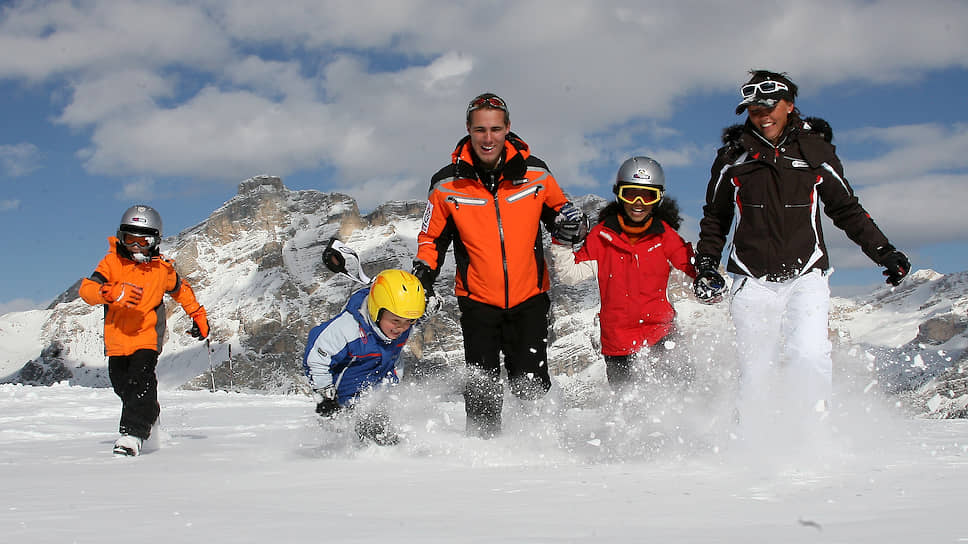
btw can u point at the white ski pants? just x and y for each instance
(782, 343)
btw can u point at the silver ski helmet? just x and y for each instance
(639, 172)
(142, 225)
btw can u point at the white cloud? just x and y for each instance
(112, 95)
(915, 149)
(373, 192)
(19, 159)
(139, 190)
(8, 205)
(920, 209)
(627, 59)
(375, 90)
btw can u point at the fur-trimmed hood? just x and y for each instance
(813, 133)
(808, 125)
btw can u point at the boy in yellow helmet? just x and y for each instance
(359, 348)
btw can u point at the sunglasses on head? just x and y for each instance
(764, 87)
(484, 101)
(632, 193)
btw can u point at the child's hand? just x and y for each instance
(326, 404)
(125, 294)
(199, 324)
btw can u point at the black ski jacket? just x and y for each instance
(774, 193)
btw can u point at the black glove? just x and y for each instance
(896, 264)
(426, 277)
(333, 259)
(196, 331)
(709, 284)
(571, 225)
(326, 404)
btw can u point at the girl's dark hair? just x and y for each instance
(667, 210)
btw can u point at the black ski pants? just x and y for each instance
(661, 360)
(133, 379)
(521, 334)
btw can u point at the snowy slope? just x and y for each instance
(258, 468)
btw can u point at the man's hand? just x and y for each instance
(571, 225)
(426, 277)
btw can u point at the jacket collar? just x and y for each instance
(611, 223)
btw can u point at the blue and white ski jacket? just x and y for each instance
(352, 352)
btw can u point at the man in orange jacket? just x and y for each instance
(131, 282)
(490, 202)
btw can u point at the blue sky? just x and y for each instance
(106, 104)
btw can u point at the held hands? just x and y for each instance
(709, 284)
(896, 264)
(426, 277)
(326, 404)
(125, 294)
(571, 225)
(199, 324)
(433, 304)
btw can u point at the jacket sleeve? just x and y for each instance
(679, 252)
(329, 349)
(718, 211)
(436, 233)
(567, 267)
(554, 199)
(843, 207)
(183, 294)
(90, 289)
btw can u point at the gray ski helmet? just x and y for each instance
(142, 220)
(640, 171)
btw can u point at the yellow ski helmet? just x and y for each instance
(398, 292)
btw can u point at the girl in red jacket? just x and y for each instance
(632, 250)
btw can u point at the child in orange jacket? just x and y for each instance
(131, 281)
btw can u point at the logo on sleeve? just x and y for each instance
(426, 217)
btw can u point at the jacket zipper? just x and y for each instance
(504, 253)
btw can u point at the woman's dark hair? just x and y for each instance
(667, 210)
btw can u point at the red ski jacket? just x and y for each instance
(632, 282)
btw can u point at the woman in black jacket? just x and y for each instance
(771, 176)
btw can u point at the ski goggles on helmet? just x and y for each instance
(137, 240)
(632, 193)
(763, 87)
(484, 101)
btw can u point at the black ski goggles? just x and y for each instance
(137, 240)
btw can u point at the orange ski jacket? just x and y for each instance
(127, 330)
(497, 236)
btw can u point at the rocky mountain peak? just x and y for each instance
(261, 183)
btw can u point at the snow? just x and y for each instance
(231, 467)
(20, 334)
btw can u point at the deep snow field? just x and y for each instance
(234, 468)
